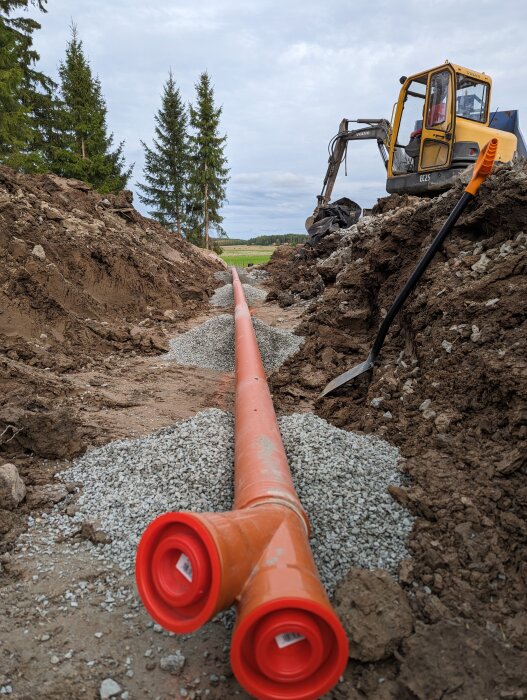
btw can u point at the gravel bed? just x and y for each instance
(223, 296)
(254, 275)
(341, 479)
(211, 345)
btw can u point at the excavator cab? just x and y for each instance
(439, 125)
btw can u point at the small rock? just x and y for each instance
(91, 530)
(109, 689)
(425, 405)
(173, 663)
(475, 335)
(446, 346)
(429, 414)
(492, 302)
(376, 402)
(54, 660)
(482, 264)
(12, 488)
(38, 252)
(387, 415)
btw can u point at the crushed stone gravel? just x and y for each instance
(252, 276)
(211, 344)
(341, 479)
(223, 296)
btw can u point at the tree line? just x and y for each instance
(268, 239)
(61, 127)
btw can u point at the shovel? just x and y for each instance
(482, 169)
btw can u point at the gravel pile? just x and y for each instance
(223, 296)
(249, 276)
(211, 345)
(341, 479)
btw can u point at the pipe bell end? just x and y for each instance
(289, 648)
(177, 572)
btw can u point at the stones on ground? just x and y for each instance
(375, 613)
(211, 345)
(223, 296)
(12, 488)
(426, 410)
(341, 479)
(173, 663)
(38, 252)
(109, 689)
(481, 265)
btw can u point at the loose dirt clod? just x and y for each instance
(223, 296)
(211, 345)
(341, 478)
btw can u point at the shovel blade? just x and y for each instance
(347, 376)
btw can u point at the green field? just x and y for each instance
(243, 255)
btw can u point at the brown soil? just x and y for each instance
(84, 279)
(450, 390)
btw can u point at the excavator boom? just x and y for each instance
(376, 129)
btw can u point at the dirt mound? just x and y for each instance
(450, 387)
(81, 276)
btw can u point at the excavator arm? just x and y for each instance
(378, 129)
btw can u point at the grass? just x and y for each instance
(243, 255)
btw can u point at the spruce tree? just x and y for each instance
(208, 172)
(81, 147)
(166, 164)
(25, 93)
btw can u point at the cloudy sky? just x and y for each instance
(286, 72)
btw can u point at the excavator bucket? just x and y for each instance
(342, 213)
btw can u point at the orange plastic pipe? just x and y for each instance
(288, 642)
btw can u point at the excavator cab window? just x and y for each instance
(437, 104)
(471, 98)
(406, 152)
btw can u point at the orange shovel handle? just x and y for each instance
(483, 166)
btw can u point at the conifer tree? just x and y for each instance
(82, 148)
(167, 163)
(24, 92)
(208, 172)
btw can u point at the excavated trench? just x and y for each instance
(109, 495)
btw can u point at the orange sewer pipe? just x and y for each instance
(288, 643)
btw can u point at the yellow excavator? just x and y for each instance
(439, 125)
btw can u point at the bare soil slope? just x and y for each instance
(82, 277)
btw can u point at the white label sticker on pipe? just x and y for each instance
(184, 566)
(288, 638)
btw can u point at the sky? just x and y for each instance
(285, 73)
